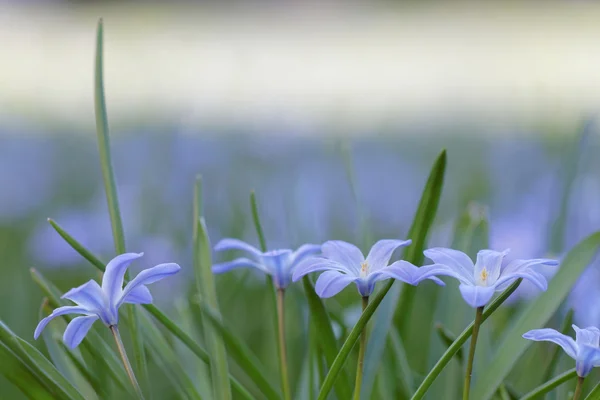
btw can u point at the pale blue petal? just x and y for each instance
(147, 277)
(77, 329)
(235, 244)
(550, 335)
(532, 276)
(331, 283)
(411, 274)
(57, 312)
(458, 261)
(315, 264)
(524, 265)
(278, 264)
(589, 336)
(306, 250)
(382, 251)
(112, 281)
(344, 253)
(237, 263)
(476, 296)
(139, 295)
(90, 296)
(491, 261)
(587, 357)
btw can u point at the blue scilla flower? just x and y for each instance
(585, 349)
(280, 264)
(479, 281)
(344, 263)
(103, 302)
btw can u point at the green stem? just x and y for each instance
(578, 388)
(361, 354)
(126, 364)
(285, 383)
(539, 391)
(469, 372)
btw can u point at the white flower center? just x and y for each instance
(483, 276)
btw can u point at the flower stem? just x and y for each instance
(123, 354)
(285, 383)
(578, 388)
(361, 354)
(469, 372)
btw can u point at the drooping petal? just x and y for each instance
(521, 265)
(589, 336)
(235, 244)
(458, 261)
(306, 250)
(587, 357)
(57, 312)
(331, 283)
(411, 274)
(475, 295)
(139, 295)
(237, 263)
(77, 329)
(278, 263)
(532, 276)
(112, 281)
(550, 335)
(382, 251)
(488, 266)
(344, 253)
(147, 277)
(315, 264)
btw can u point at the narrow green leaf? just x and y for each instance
(404, 376)
(594, 394)
(326, 339)
(206, 288)
(536, 315)
(257, 224)
(460, 340)
(151, 308)
(79, 364)
(35, 361)
(540, 391)
(19, 374)
(419, 229)
(448, 338)
(112, 198)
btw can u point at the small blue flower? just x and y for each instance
(479, 281)
(280, 264)
(103, 302)
(585, 349)
(344, 263)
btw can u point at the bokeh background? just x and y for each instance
(333, 112)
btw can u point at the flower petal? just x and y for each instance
(587, 357)
(520, 265)
(458, 261)
(57, 312)
(77, 329)
(331, 283)
(344, 253)
(139, 295)
(550, 335)
(236, 244)
(382, 251)
(88, 295)
(589, 336)
(278, 264)
(475, 295)
(112, 281)
(411, 274)
(491, 262)
(237, 263)
(306, 250)
(147, 277)
(532, 276)
(315, 264)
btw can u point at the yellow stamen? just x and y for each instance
(484, 275)
(364, 268)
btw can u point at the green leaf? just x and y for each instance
(112, 198)
(536, 315)
(206, 288)
(460, 340)
(326, 339)
(414, 254)
(36, 362)
(79, 364)
(425, 215)
(19, 374)
(540, 391)
(448, 338)
(151, 308)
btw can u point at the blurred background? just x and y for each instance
(333, 112)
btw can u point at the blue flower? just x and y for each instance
(280, 264)
(479, 282)
(103, 302)
(344, 263)
(585, 349)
